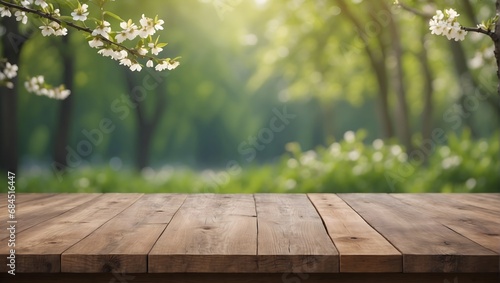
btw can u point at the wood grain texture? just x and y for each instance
(361, 248)
(123, 243)
(488, 203)
(479, 226)
(43, 209)
(427, 245)
(291, 236)
(24, 197)
(209, 233)
(39, 248)
(252, 278)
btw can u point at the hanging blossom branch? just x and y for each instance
(446, 24)
(101, 37)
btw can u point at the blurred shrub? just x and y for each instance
(350, 165)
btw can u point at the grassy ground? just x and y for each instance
(461, 165)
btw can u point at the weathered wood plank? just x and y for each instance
(361, 248)
(488, 203)
(122, 244)
(291, 236)
(252, 278)
(24, 197)
(482, 228)
(39, 248)
(42, 209)
(209, 233)
(427, 245)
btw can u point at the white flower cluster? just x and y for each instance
(102, 36)
(446, 24)
(9, 72)
(37, 86)
(130, 31)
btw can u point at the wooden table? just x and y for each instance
(287, 238)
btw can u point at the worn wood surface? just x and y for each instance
(209, 233)
(252, 278)
(426, 244)
(361, 248)
(291, 236)
(255, 238)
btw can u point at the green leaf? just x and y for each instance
(114, 16)
(161, 45)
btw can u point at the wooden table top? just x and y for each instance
(259, 233)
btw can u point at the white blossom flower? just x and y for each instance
(130, 30)
(37, 86)
(80, 13)
(148, 27)
(162, 66)
(121, 36)
(21, 17)
(26, 3)
(107, 52)
(126, 62)
(155, 50)
(446, 24)
(58, 29)
(41, 3)
(167, 64)
(61, 93)
(437, 27)
(95, 42)
(150, 64)
(10, 70)
(47, 30)
(5, 12)
(119, 55)
(452, 14)
(159, 24)
(103, 29)
(136, 67)
(9, 85)
(142, 51)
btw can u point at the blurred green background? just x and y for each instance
(271, 96)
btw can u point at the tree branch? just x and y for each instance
(413, 10)
(73, 25)
(483, 31)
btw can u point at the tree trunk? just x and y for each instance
(379, 67)
(143, 145)
(466, 81)
(497, 44)
(402, 113)
(145, 127)
(12, 43)
(428, 93)
(66, 108)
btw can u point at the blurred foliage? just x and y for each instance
(261, 55)
(460, 165)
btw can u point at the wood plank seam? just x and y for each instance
(323, 221)
(472, 241)
(381, 234)
(97, 227)
(256, 225)
(147, 256)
